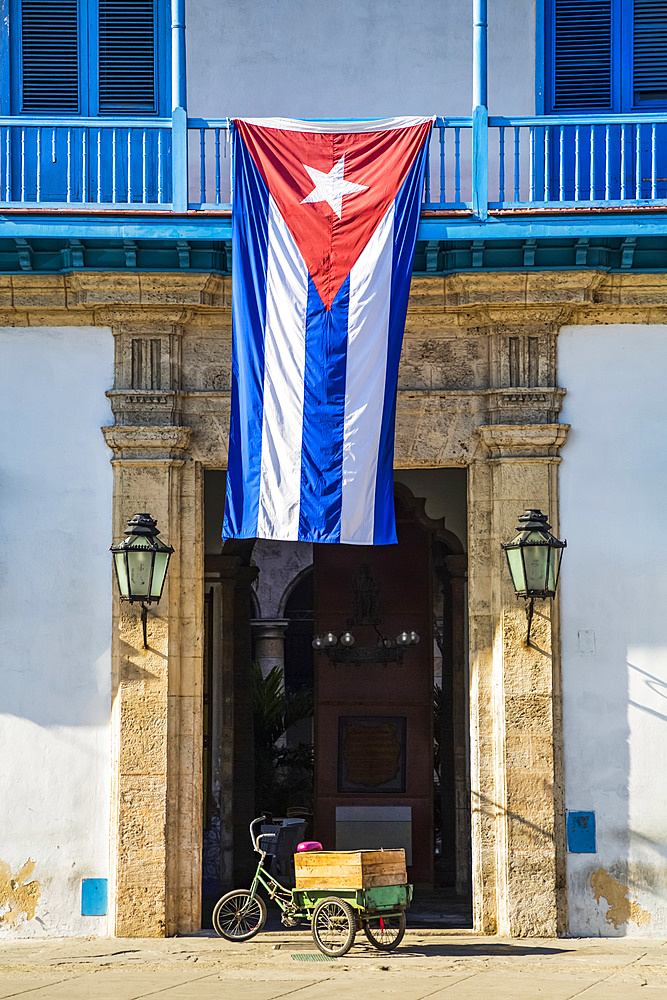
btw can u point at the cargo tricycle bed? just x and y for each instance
(339, 892)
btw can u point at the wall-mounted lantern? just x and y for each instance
(534, 559)
(141, 563)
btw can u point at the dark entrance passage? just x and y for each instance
(388, 724)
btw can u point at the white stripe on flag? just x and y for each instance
(367, 336)
(284, 360)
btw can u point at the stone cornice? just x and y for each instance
(523, 441)
(150, 443)
(558, 297)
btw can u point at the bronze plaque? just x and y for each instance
(371, 753)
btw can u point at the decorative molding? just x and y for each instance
(519, 405)
(523, 441)
(146, 407)
(162, 443)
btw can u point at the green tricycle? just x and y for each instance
(339, 892)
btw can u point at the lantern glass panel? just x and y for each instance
(121, 574)
(555, 557)
(159, 572)
(516, 568)
(140, 565)
(536, 558)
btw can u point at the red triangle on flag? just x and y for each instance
(332, 188)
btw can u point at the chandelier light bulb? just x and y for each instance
(414, 638)
(347, 639)
(330, 639)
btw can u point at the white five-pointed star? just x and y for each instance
(331, 187)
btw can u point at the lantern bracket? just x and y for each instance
(530, 603)
(144, 623)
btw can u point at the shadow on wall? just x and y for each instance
(60, 689)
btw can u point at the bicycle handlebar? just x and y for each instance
(253, 838)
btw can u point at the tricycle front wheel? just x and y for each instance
(385, 932)
(239, 915)
(334, 926)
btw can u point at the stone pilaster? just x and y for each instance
(244, 737)
(234, 752)
(457, 567)
(156, 714)
(515, 747)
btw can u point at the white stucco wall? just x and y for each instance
(55, 622)
(370, 59)
(614, 624)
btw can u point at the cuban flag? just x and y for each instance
(324, 228)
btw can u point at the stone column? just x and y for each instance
(269, 642)
(156, 831)
(516, 740)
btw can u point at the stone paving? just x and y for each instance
(433, 964)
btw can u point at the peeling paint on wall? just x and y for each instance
(18, 896)
(621, 907)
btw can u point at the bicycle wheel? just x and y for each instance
(238, 916)
(387, 932)
(333, 926)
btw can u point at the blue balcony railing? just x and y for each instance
(552, 162)
(497, 165)
(87, 162)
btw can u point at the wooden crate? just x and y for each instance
(349, 869)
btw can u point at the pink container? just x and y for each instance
(309, 845)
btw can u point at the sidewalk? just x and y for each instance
(440, 965)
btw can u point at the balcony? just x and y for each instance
(489, 180)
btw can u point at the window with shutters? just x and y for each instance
(649, 53)
(605, 55)
(88, 57)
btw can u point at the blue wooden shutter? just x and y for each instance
(127, 56)
(649, 47)
(582, 55)
(49, 56)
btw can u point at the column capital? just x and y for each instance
(147, 443)
(523, 442)
(269, 628)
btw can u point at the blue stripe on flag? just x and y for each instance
(323, 416)
(406, 220)
(249, 254)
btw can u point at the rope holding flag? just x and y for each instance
(324, 229)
